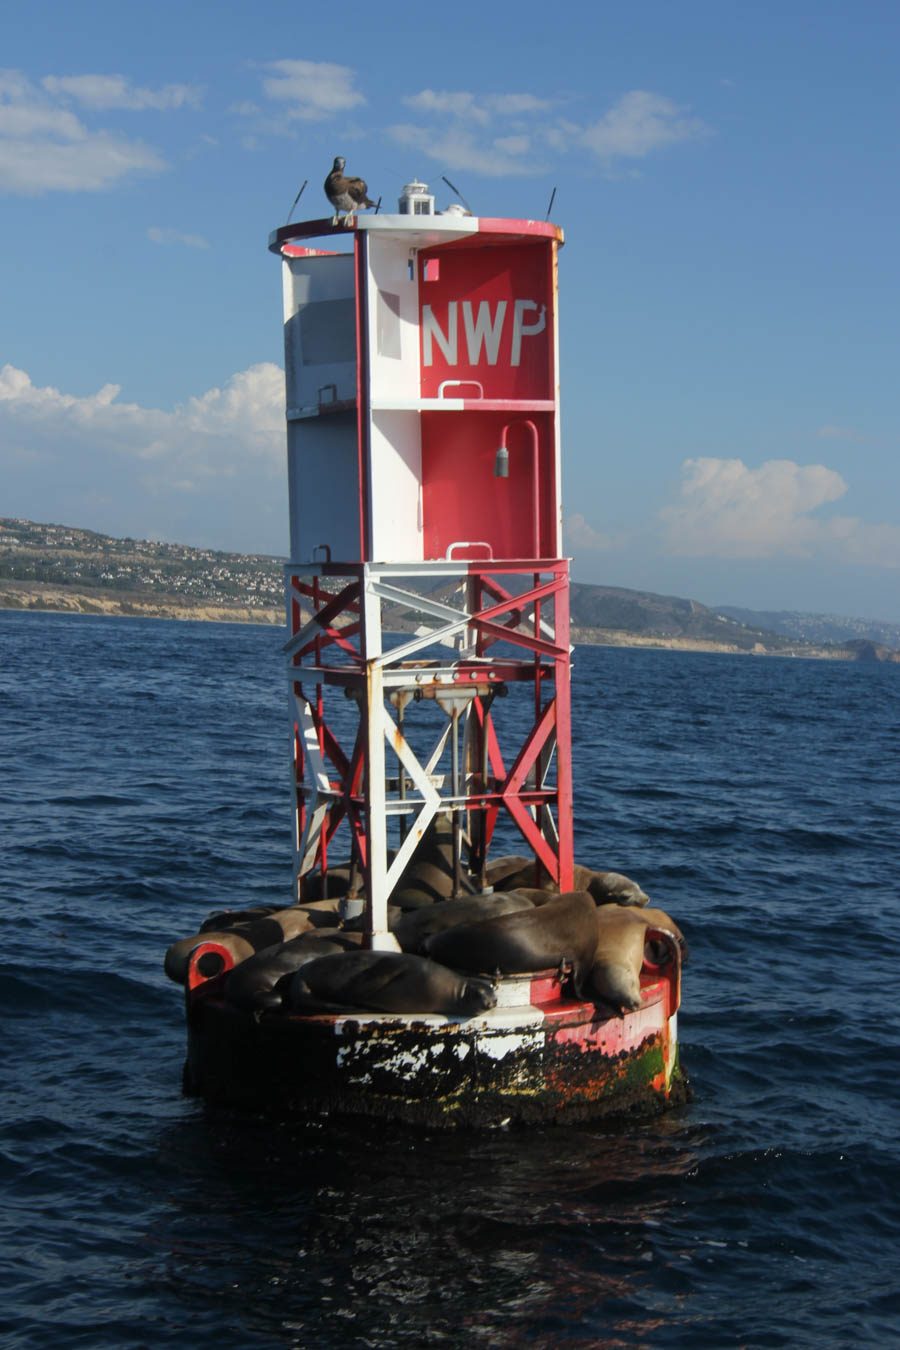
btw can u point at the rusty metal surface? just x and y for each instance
(421, 1073)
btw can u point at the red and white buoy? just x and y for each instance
(424, 469)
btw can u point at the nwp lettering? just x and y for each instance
(484, 330)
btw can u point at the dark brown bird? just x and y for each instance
(345, 194)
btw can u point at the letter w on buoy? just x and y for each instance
(484, 330)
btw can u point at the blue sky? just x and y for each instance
(726, 176)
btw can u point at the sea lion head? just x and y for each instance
(476, 996)
(616, 983)
(612, 888)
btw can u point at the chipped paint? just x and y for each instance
(527, 1062)
(539, 1055)
(498, 1047)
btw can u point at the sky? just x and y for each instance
(727, 179)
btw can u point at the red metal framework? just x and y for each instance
(339, 614)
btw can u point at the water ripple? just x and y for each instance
(755, 800)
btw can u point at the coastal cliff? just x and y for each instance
(67, 570)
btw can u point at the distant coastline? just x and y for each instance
(67, 570)
(49, 600)
(35, 598)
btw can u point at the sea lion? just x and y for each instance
(499, 870)
(516, 873)
(535, 894)
(658, 918)
(178, 957)
(322, 913)
(336, 883)
(562, 930)
(249, 938)
(622, 937)
(253, 985)
(357, 922)
(428, 876)
(413, 926)
(393, 982)
(610, 888)
(227, 918)
(615, 974)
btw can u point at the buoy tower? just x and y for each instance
(423, 443)
(428, 671)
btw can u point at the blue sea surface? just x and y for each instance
(144, 781)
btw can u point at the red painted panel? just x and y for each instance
(487, 315)
(461, 497)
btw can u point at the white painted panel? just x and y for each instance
(319, 330)
(323, 488)
(396, 457)
(421, 231)
(393, 320)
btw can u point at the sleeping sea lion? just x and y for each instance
(322, 913)
(516, 873)
(178, 956)
(335, 884)
(610, 888)
(658, 918)
(253, 985)
(393, 982)
(622, 936)
(564, 929)
(428, 876)
(412, 927)
(227, 918)
(535, 894)
(248, 938)
(499, 870)
(357, 924)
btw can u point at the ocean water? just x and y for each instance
(143, 782)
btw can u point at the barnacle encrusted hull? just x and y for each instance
(536, 1057)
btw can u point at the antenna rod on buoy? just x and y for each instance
(550, 207)
(458, 193)
(295, 201)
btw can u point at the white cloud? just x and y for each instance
(867, 545)
(502, 133)
(457, 148)
(447, 104)
(312, 90)
(563, 136)
(477, 108)
(480, 133)
(491, 134)
(513, 145)
(160, 236)
(580, 537)
(18, 393)
(100, 92)
(514, 105)
(639, 123)
(45, 147)
(69, 451)
(249, 410)
(727, 510)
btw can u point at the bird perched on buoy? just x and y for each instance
(345, 194)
